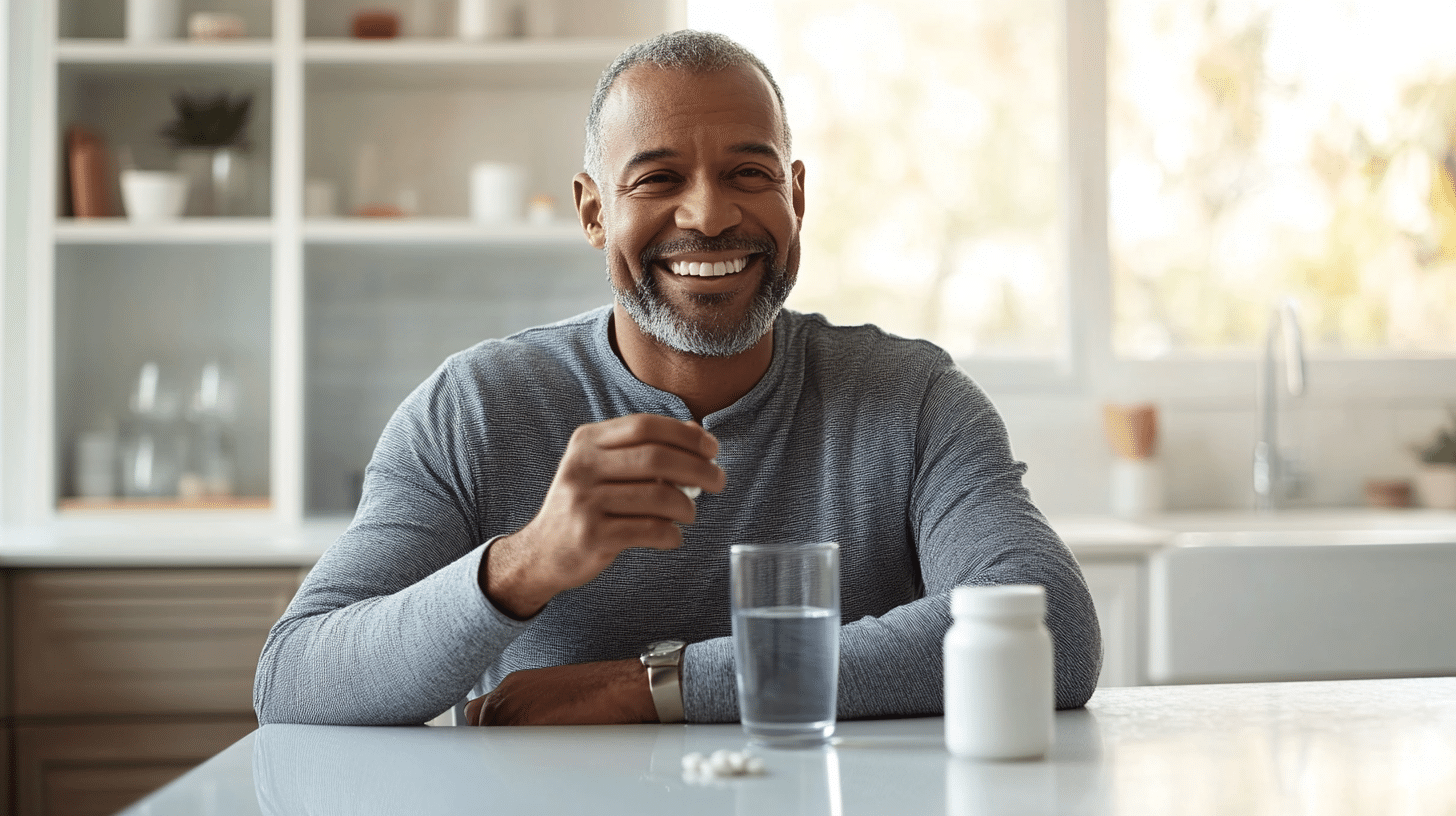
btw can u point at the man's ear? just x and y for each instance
(589, 209)
(796, 171)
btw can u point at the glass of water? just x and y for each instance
(786, 640)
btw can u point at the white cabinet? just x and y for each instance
(1117, 587)
(324, 323)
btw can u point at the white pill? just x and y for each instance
(691, 491)
(738, 761)
(754, 766)
(692, 762)
(721, 763)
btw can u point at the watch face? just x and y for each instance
(663, 648)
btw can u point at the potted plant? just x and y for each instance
(211, 145)
(1436, 479)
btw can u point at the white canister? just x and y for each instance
(1137, 487)
(497, 192)
(999, 699)
(95, 465)
(477, 20)
(153, 195)
(149, 21)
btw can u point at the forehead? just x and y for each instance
(650, 107)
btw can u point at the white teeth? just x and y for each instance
(707, 270)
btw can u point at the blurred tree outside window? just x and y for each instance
(930, 131)
(1257, 150)
(1263, 149)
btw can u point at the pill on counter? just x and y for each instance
(721, 764)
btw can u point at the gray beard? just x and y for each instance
(706, 338)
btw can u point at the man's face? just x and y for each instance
(699, 209)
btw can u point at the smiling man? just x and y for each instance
(528, 532)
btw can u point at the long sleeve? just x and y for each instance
(972, 522)
(854, 436)
(391, 626)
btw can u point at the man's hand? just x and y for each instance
(602, 693)
(616, 487)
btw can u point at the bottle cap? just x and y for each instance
(999, 601)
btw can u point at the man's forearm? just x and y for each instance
(601, 693)
(387, 658)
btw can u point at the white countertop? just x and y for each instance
(210, 542)
(245, 541)
(1347, 748)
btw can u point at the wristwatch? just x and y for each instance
(663, 660)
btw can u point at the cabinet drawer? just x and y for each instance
(98, 769)
(142, 641)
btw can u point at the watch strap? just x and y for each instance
(664, 680)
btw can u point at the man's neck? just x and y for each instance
(705, 384)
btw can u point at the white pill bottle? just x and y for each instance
(998, 673)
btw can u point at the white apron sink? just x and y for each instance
(1241, 597)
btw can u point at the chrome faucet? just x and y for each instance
(1273, 471)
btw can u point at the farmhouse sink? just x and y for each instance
(1238, 597)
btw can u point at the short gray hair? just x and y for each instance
(686, 50)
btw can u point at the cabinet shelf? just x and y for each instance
(182, 231)
(432, 65)
(129, 506)
(443, 51)
(436, 231)
(326, 324)
(180, 52)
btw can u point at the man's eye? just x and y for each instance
(656, 178)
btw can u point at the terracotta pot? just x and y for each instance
(1436, 486)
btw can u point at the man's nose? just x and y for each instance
(706, 208)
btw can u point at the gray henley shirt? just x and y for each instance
(853, 435)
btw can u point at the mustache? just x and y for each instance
(719, 243)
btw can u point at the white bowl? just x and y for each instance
(153, 195)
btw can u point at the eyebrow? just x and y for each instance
(751, 148)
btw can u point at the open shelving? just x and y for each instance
(330, 320)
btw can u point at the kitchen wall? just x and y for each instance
(1207, 449)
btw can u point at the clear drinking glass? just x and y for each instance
(786, 639)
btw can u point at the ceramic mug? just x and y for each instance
(497, 192)
(149, 21)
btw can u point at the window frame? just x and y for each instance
(1087, 364)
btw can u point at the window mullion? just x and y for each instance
(1084, 115)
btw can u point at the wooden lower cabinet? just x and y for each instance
(5, 770)
(138, 641)
(123, 679)
(96, 769)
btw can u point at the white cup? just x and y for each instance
(153, 195)
(497, 192)
(149, 21)
(95, 465)
(477, 20)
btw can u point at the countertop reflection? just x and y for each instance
(1342, 747)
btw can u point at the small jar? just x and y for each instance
(998, 673)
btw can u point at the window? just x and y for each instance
(1261, 150)
(1254, 150)
(932, 180)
